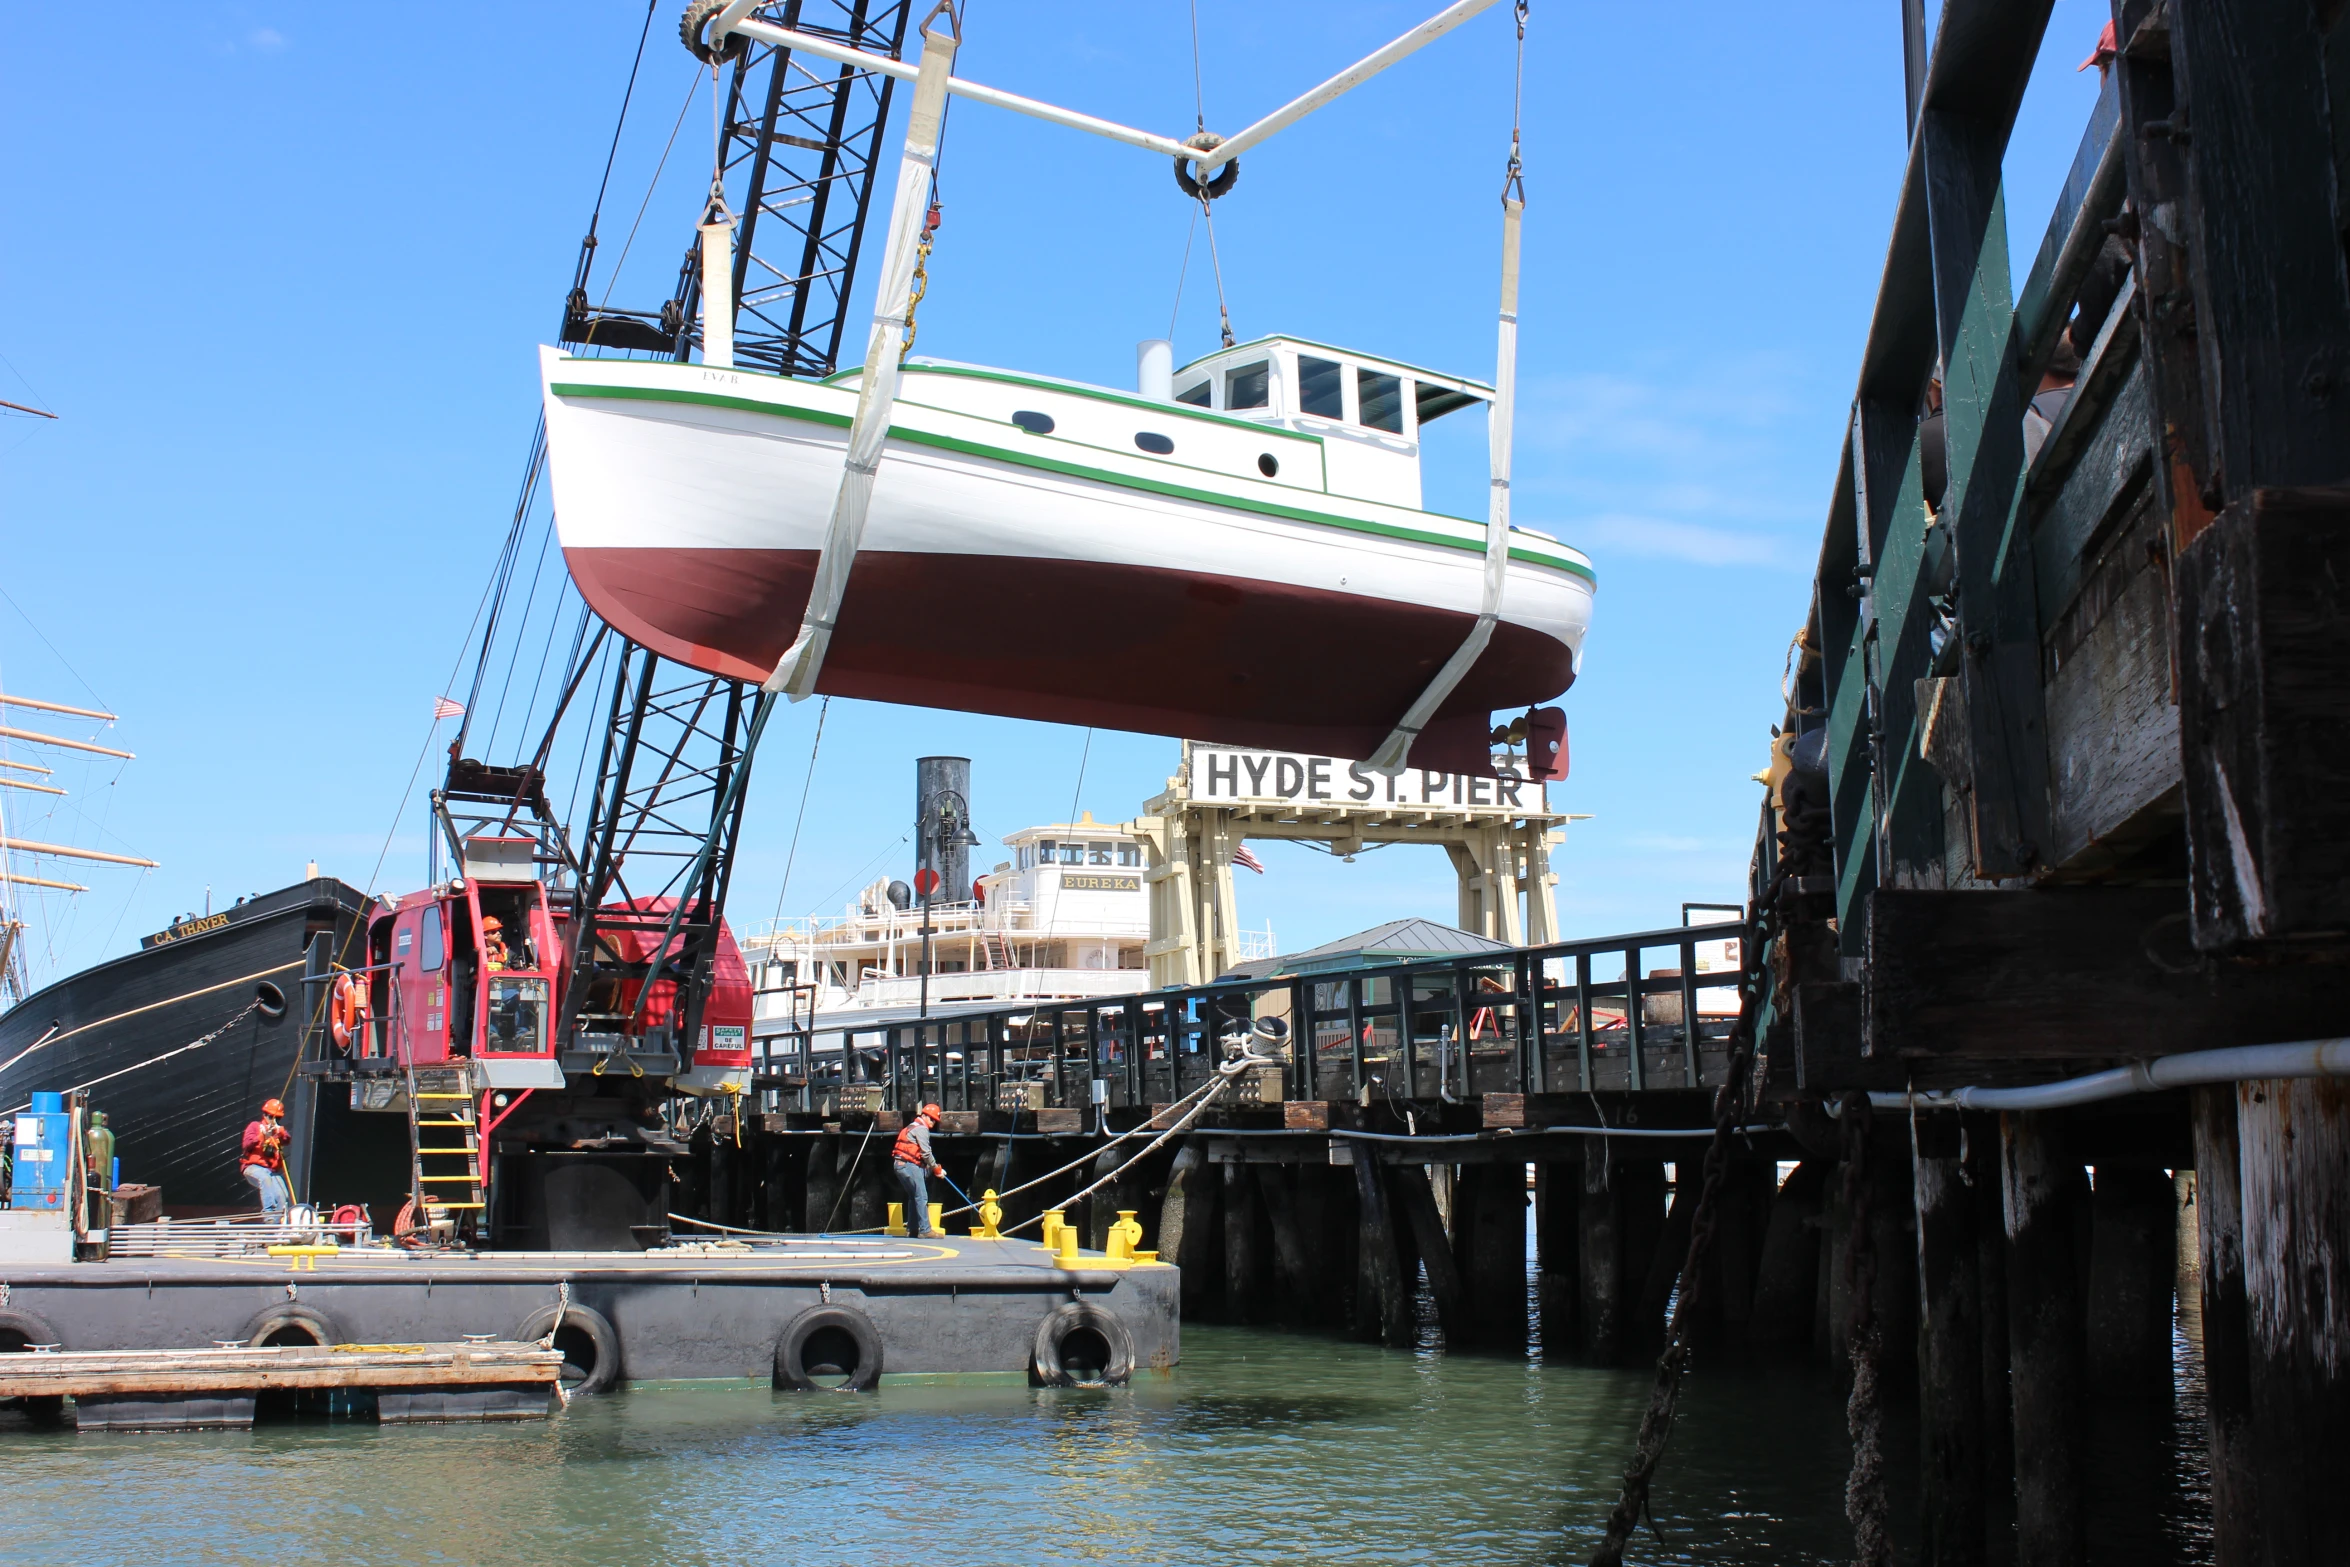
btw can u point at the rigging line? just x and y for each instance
(621, 123)
(798, 821)
(52, 647)
(501, 574)
(1182, 272)
(547, 652)
(651, 186)
(1199, 93)
(1223, 310)
(538, 574)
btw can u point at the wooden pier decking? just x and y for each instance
(180, 1389)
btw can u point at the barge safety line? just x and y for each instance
(2235, 1064)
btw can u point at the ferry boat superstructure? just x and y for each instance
(1065, 918)
(1242, 557)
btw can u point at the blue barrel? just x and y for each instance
(43, 1156)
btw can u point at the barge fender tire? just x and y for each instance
(291, 1317)
(579, 1322)
(1066, 1321)
(791, 1349)
(20, 1329)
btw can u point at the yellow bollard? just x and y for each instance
(897, 1219)
(991, 1214)
(938, 1218)
(1050, 1230)
(1065, 1252)
(1125, 1236)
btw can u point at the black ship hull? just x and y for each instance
(177, 1117)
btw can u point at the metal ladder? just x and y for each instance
(451, 1112)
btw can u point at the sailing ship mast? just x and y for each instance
(14, 983)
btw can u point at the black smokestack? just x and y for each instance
(942, 823)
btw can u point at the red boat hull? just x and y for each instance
(1187, 654)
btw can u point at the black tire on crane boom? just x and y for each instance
(696, 21)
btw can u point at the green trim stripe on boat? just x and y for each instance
(1099, 394)
(662, 394)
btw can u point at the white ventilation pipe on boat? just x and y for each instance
(2240, 1063)
(1154, 369)
(877, 392)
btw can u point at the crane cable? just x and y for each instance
(937, 209)
(1395, 751)
(1207, 211)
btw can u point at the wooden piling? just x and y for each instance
(1558, 1198)
(2293, 1139)
(1599, 1245)
(1415, 1202)
(1244, 1276)
(1950, 1345)
(1787, 1276)
(1734, 1265)
(1665, 1257)
(1384, 1309)
(1980, 1146)
(1186, 1223)
(2227, 1348)
(1640, 1187)
(1489, 1247)
(2041, 1191)
(1294, 1278)
(2132, 1262)
(821, 1192)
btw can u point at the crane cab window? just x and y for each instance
(1250, 386)
(433, 951)
(1197, 396)
(1319, 391)
(1380, 400)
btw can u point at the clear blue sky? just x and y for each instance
(282, 269)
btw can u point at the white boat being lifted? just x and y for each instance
(1236, 552)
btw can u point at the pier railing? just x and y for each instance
(1610, 1014)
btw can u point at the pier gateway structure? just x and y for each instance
(1497, 830)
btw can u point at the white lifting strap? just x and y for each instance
(1389, 758)
(795, 673)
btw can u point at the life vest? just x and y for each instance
(906, 1150)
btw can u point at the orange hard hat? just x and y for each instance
(491, 922)
(273, 1107)
(933, 1111)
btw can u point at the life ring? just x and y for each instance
(290, 1322)
(817, 1340)
(1081, 1344)
(347, 1009)
(591, 1349)
(1205, 141)
(21, 1330)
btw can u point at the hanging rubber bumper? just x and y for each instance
(819, 1340)
(1081, 1344)
(590, 1333)
(290, 1322)
(1225, 178)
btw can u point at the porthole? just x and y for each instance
(1268, 464)
(1033, 422)
(1155, 444)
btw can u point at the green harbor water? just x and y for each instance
(1262, 1447)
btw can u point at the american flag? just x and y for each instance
(1247, 861)
(442, 708)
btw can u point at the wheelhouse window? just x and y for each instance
(1130, 854)
(1197, 396)
(1318, 388)
(1380, 401)
(1072, 854)
(1250, 386)
(1046, 851)
(1097, 854)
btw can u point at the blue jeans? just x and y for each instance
(271, 1186)
(917, 1185)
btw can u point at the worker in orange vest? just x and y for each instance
(262, 1159)
(914, 1161)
